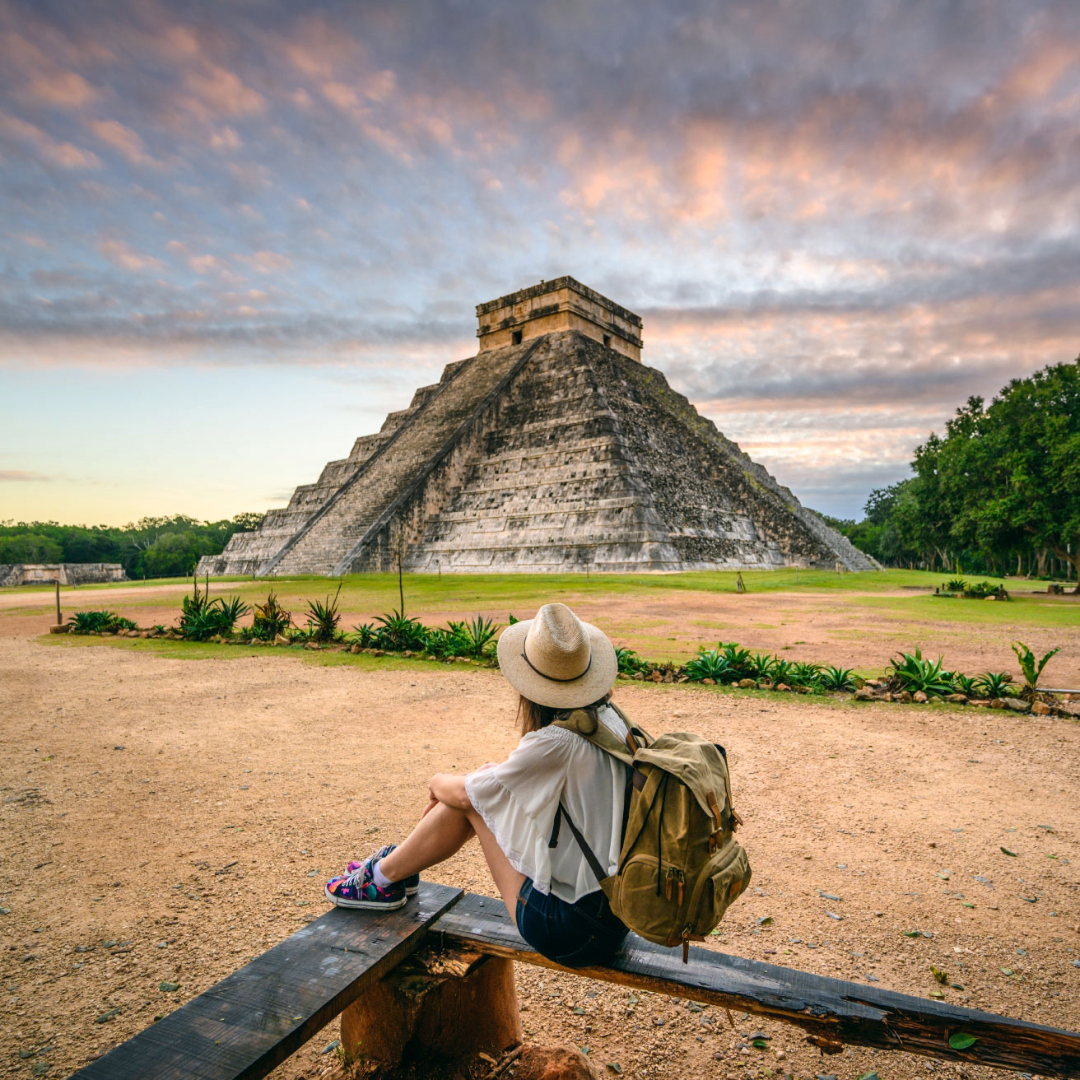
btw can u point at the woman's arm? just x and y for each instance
(450, 789)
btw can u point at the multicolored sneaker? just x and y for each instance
(358, 889)
(411, 883)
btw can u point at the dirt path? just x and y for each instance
(190, 812)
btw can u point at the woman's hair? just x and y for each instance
(533, 717)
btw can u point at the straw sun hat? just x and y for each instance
(557, 660)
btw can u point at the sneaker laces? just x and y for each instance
(356, 878)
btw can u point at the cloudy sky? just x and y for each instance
(233, 235)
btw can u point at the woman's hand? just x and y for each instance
(449, 789)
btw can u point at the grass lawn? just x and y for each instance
(522, 593)
(852, 620)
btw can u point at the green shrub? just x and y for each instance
(966, 685)
(805, 674)
(449, 642)
(323, 618)
(710, 665)
(629, 662)
(480, 636)
(834, 678)
(99, 622)
(761, 666)
(400, 632)
(958, 585)
(995, 684)
(1030, 667)
(912, 673)
(202, 618)
(270, 620)
(738, 658)
(783, 671)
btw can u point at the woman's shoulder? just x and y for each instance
(547, 736)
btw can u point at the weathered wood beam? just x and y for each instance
(834, 1012)
(247, 1024)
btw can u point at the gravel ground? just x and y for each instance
(161, 821)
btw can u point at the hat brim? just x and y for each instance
(584, 690)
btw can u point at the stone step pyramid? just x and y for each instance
(553, 449)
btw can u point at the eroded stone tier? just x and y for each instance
(549, 455)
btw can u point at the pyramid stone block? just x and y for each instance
(553, 449)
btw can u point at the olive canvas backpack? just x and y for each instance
(680, 866)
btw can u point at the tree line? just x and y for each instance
(998, 493)
(148, 548)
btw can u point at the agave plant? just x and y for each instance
(761, 666)
(806, 674)
(783, 671)
(400, 631)
(479, 634)
(447, 642)
(99, 622)
(710, 665)
(995, 684)
(323, 617)
(834, 678)
(270, 620)
(738, 658)
(202, 618)
(629, 662)
(366, 634)
(957, 584)
(912, 673)
(1030, 667)
(966, 685)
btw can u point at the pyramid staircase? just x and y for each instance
(553, 454)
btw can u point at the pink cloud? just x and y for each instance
(223, 92)
(267, 262)
(203, 264)
(66, 89)
(64, 154)
(123, 140)
(124, 256)
(225, 138)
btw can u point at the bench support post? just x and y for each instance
(450, 1004)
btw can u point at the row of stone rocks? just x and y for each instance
(874, 691)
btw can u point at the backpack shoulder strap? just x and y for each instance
(590, 856)
(641, 736)
(586, 724)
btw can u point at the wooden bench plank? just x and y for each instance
(251, 1021)
(834, 1011)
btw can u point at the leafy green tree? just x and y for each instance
(30, 547)
(150, 547)
(1010, 472)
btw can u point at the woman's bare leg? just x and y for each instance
(441, 833)
(507, 880)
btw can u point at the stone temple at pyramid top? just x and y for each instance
(551, 306)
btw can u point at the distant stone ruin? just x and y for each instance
(553, 449)
(65, 573)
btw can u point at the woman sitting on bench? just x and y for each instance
(555, 662)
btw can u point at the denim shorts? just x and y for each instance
(583, 934)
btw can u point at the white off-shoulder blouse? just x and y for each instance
(518, 800)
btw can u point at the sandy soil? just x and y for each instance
(188, 813)
(842, 628)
